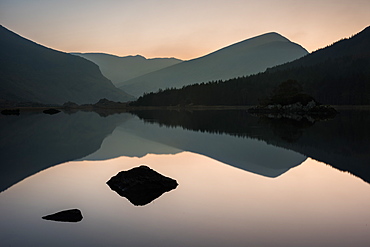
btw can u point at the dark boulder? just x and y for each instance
(10, 112)
(51, 111)
(141, 185)
(70, 215)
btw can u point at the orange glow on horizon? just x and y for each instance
(181, 29)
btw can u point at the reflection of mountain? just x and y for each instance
(124, 142)
(248, 154)
(32, 142)
(342, 142)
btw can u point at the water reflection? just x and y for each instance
(33, 142)
(137, 138)
(216, 205)
(342, 142)
(30, 143)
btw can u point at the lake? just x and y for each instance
(242, 180)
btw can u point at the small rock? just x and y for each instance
(70, 215)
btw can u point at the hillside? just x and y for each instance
(30, 72)
(338, 74)
(247, 57)
(120, 69)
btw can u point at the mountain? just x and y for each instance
(247, 57)
(120, 69)
(338, 74)
(30, 72)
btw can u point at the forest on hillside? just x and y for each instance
(338, 74)
(342, 81)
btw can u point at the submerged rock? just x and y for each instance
(141, 185)
(70, 215)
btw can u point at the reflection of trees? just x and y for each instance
(288, 130)
(342, 142)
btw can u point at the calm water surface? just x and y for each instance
(243, 181)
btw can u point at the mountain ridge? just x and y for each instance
(246, 57)
(31, 72)
(338, 74)
(122, 68)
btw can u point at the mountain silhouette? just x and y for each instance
(120, 69)
(30, 72)
(338, 74)
(247, 57)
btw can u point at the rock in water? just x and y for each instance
(51, 111)
(141, 185)
(10, 112)
(70, 215)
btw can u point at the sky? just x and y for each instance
(183, 29)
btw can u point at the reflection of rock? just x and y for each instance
(288, 129)
(141, 185)
(51, 111)
(297, 111)
(70, 215)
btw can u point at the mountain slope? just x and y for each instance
(120, 69)
(33, 73)
(338, 74)
(244, 58)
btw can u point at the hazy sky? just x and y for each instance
(184, 29)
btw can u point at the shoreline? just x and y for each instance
(133, 108)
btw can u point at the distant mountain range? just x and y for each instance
(120, 69)
(338, 74)
(30, 72)
(247, 57)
